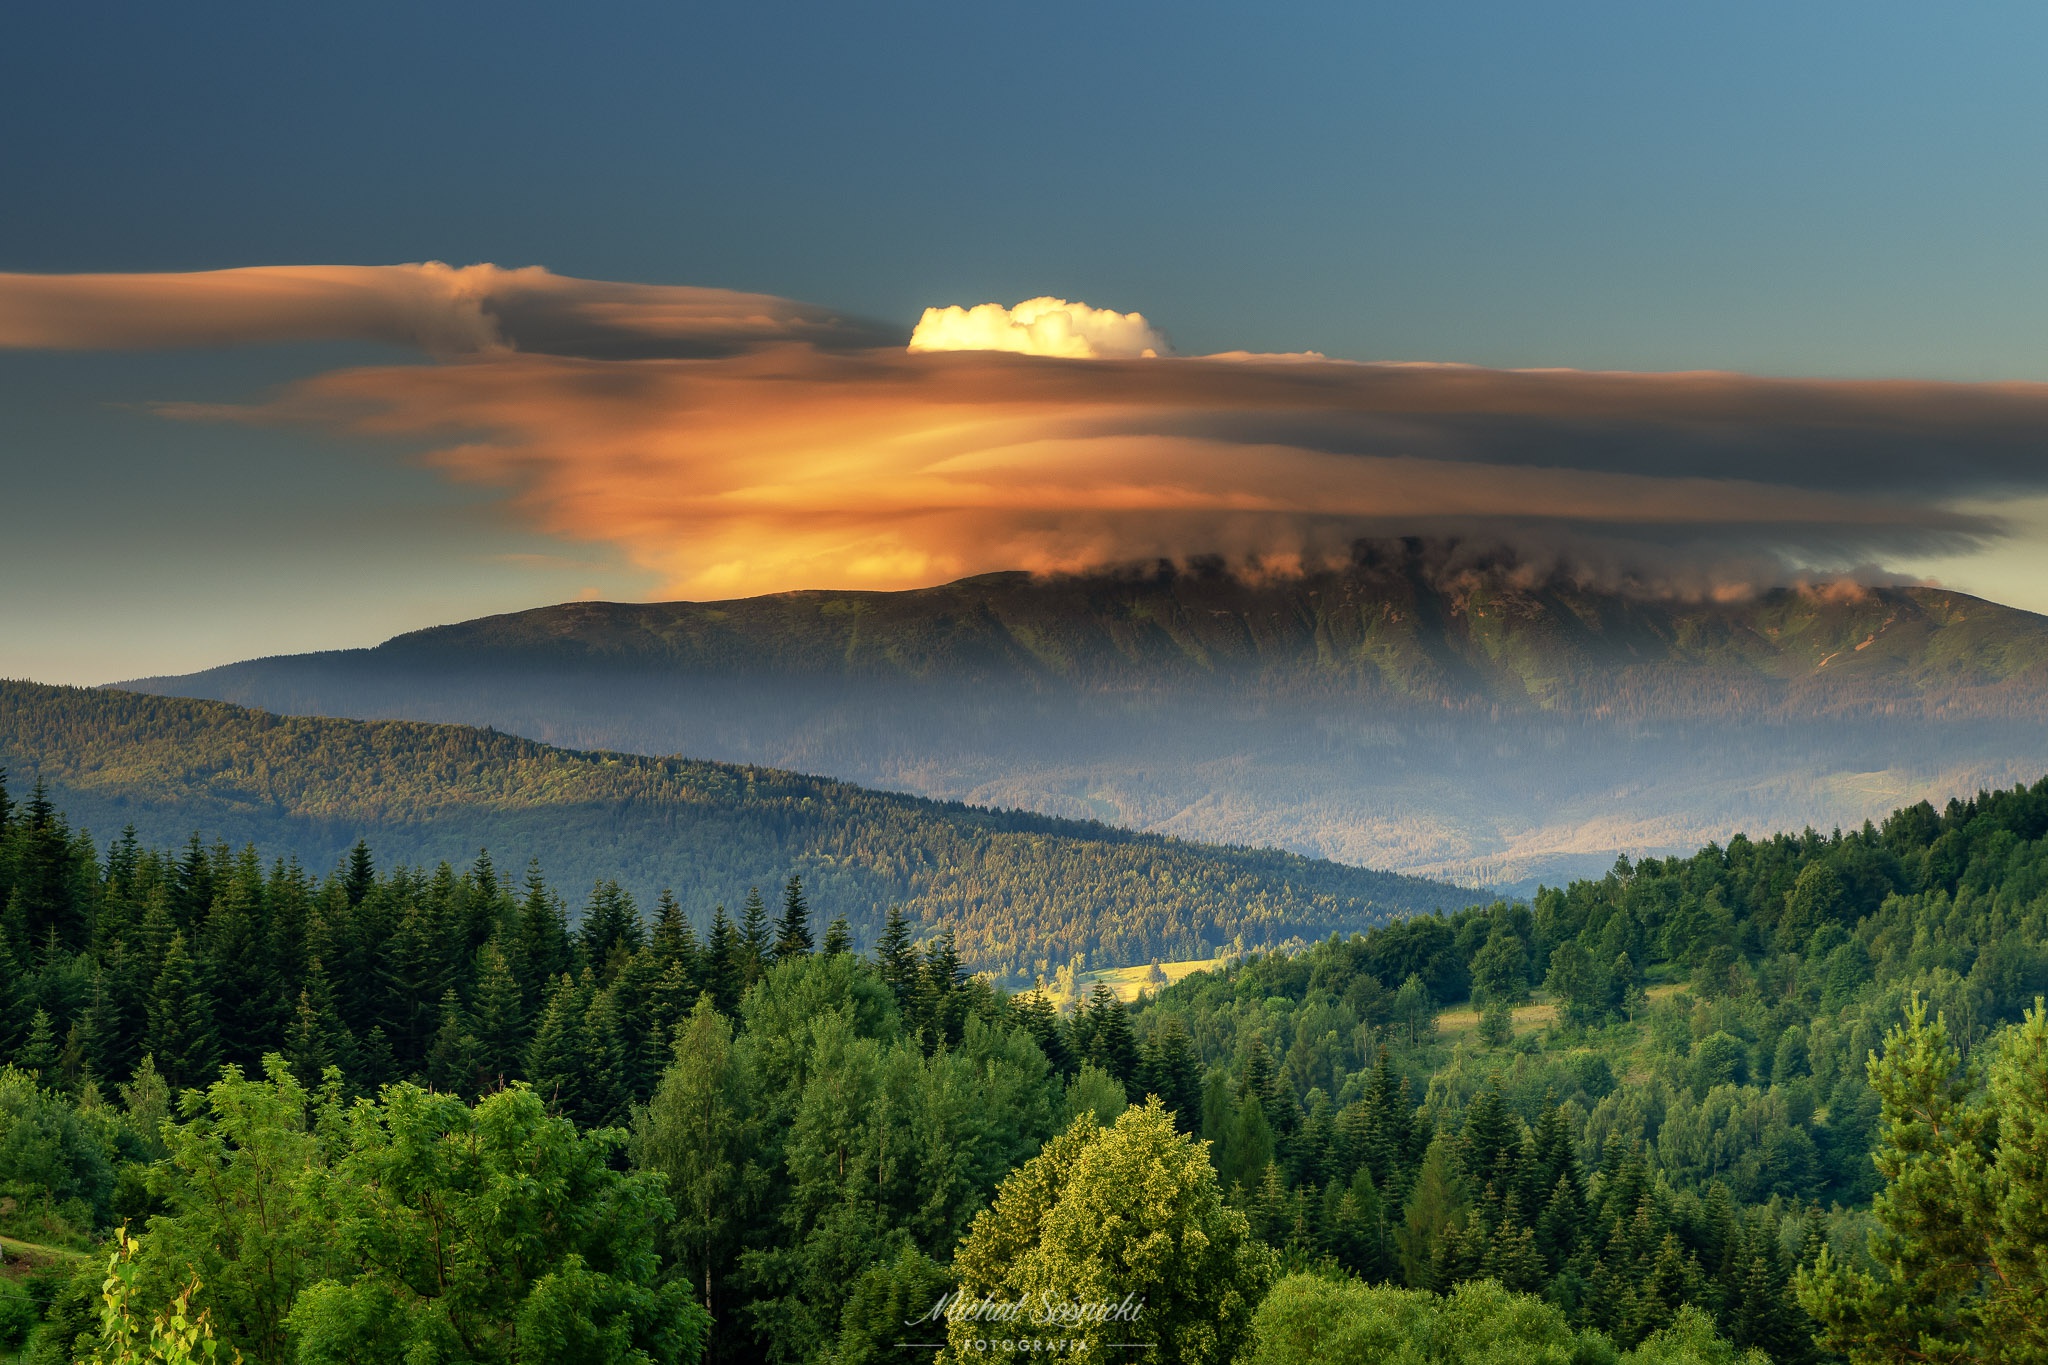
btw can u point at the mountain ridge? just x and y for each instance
(1480, 724)
(1019, 887)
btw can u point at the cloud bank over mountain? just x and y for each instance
(735, 443)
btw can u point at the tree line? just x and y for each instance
(1784, 1097)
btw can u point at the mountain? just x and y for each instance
(1482, 724)
(1024, 892)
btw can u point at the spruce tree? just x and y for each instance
(896, 956)
(1111, 1044)
(756, 944)
(246, 988)
(455, 1057)
(838, 937)
(1174, 1073)
(540, 952)
(610, 921)
(1042, 1022)
(558, 1059)
(725, 973)
(181, 1021)
(97, 1033)
(376, 1064)
(793, 932)
(316, 1039)
(498, 1018)
(39, 1052)
(675, 942)
(1370, 1260)
(610, 1066)
(361, 877)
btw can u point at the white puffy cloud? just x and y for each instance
(1042, 326)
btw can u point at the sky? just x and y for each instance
(1802, 193)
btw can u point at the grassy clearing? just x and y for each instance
(1127, 982)
(23, 1259)
(1527, 1018)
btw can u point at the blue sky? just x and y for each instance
(1811, 190)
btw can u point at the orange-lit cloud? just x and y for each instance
(787, 467)
(732, 444)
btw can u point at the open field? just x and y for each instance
(1127, 982)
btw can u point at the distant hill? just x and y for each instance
(1477, 725)
(1024, 892)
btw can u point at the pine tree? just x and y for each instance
(455, 1058)
(39, 1052)
(558, 1059)
(896, 956)
(725, 973)
(675, 942)
(540, 952)
(756, 945)
(1042, 1022)
(838, 937)
(181, 1021)
(317, 1039)
(607, 1079)
(610, 922)
(96, 1036)
(793, 931)
(498, 1018)
(361, 877)
(1111, 1044)
(1174, 1073)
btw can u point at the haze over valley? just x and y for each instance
(1472, 720)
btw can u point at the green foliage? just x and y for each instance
(412, 1226)
(1321, 1320)
(1691, 1135)
(173, 1335)
(1129, 1214)
(1017, 889)
(493, 1234)
(1314, 1320)
(1961, 1254)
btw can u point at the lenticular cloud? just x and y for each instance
(738, 443)
(1041, 326)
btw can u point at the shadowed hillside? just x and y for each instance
(1470, 724)
(1019, 889)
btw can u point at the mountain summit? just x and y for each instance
(1482, 723)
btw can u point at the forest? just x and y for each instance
(1781, 1100)
(1023, 893)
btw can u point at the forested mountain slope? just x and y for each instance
(1484, 724)
(1023, 892)
(1689, 1082)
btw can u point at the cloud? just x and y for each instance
(1041, 326)
(440, 309)
(789, 467)
(737, 443)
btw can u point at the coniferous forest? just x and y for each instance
(1781, 1100)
